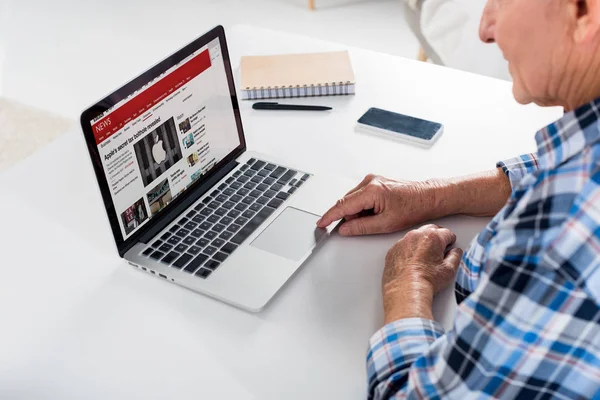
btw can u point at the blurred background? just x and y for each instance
(57, 57)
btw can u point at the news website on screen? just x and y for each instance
(168, 134)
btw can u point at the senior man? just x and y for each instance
(527, 325)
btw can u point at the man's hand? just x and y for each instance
(380, 205)
(417, 268)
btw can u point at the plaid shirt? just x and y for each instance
(527, 325)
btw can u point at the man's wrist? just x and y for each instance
(408, 299)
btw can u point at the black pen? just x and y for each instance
(277, 106)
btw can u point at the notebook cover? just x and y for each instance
(296, 70)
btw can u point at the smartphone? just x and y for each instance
(400, 127)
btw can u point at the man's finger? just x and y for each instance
(349, 205)
(447, 236)
(370, 225)
(453, 257)
(362, 184)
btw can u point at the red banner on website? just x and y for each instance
(116, 120)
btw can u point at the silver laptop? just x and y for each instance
(185, 200)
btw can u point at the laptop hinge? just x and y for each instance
(177, 211)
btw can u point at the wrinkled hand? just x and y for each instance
(416, 268)
(381, 205)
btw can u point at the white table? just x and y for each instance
(78, 322)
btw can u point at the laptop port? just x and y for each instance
(162, 276)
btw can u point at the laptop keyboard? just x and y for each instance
(213, 229)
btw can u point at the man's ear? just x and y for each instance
(587, 15)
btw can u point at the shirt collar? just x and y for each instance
(569, 136)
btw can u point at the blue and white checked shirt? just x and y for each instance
(528, 320)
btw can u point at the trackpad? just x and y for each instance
(291, 235)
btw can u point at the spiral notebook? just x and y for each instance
(297, 75)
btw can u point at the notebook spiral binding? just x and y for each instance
(327, 89)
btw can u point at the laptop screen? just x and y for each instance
(166, 135)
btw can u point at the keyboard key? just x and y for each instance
(226, 235)
(191, 214)
(270, 167)
(221, 198)
(181, 261)
(181, 247)
(217, 243)
(226, 220)
(229, 180)
(213, 218)
(197, 233)
(148, 251)
(233, 228)
(189, 240)
(165, 248)
(194, 250)
(196, 263)
(243, 179)
(241, 206)
(277, 187)
(262, 187)
(212, 265)
(169, 258)
(255, 193)
(229, 248)
(157, 244)
(210, 235)
(174, 240)
(215, 193)
(287, 176)
(206, 212)
(244, 167)
(228, 205)
(242, 192)
(278, 172)
(305, 177)
(210, 250)
(256, 179)
(268, 181)
(270, 193)
(252, 225)
(292, 190)
(255, 207)
(250, 173)
(182, 232)
(258, 165)
(174, 228)
(198, 219)
(199, 207)
(207, 200)
(293, 182)
(229, 191)
(205, 226)
(250, 161)
(202, 242)
(222, 186)
(183, 221)
(203, 273)
(221, 211)
(236, 174)
(300, 182)
(215, 204)
(250, 185)
(262, 200)
(248, 214)
(283, 195)
(263, 172)
(218, 228)
(241, 220)
(166, 235)
(233, 213)
(236, 185)
(275, 203)
(220, 256)
(236, 198)
(190, 226)
(248, 200)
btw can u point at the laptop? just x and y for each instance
(186, 201)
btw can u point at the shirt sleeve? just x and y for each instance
(518, 167)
